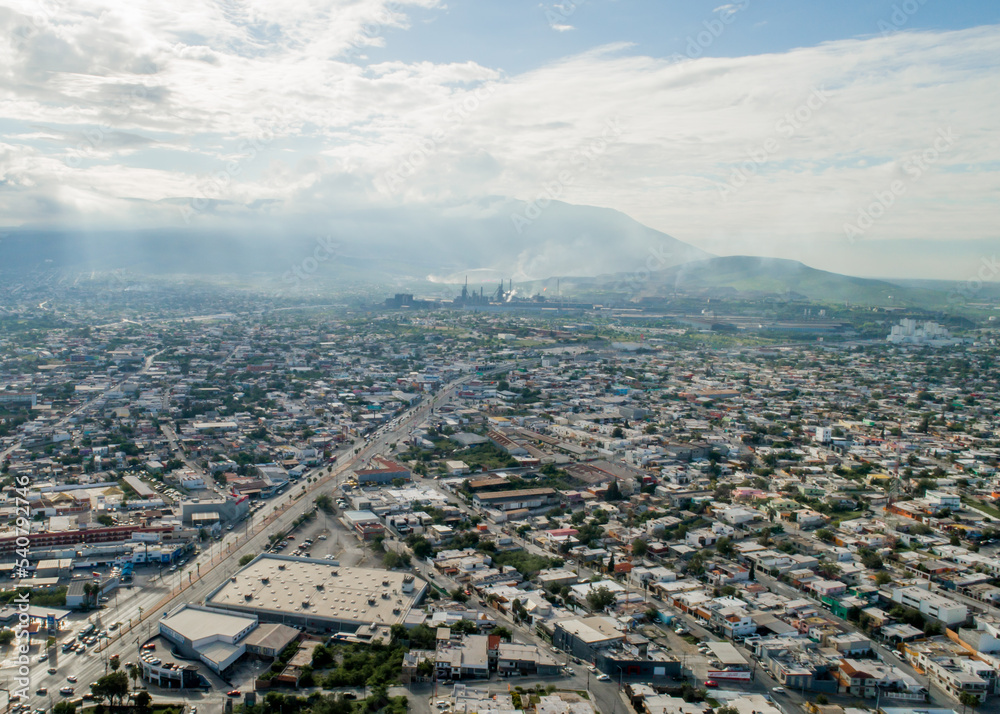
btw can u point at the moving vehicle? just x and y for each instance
(604, 678)
(779, 690)
(71, 678)
(711, 683)
(233, 693)
(66, 691)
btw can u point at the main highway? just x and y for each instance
(140, 608)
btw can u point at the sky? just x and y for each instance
(859, 136)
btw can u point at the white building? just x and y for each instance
(931, 604)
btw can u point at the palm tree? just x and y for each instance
(90, 591)
(133, 673)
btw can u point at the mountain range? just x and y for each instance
(593, 251)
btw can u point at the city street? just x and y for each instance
(153, 595)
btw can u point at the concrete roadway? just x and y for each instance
(161, 593)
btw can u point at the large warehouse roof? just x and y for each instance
(315, 589)
(195, 624)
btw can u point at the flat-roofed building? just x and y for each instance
(584, 636)
(464, 659)
(269, 639)
(934, 605)
(211, 635)
(312, 593)
(525, 659)
(529, 498)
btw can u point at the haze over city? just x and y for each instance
(741, 129)
(458, 356)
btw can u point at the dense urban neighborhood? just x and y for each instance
(470, 511)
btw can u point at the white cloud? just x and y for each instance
(130, 109)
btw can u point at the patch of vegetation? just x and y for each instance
(527, 564)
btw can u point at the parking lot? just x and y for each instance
(326, 537)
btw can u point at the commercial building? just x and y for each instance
(225, 509)
(584, 636)
(314, 594)
(383, 471)
(525, 659)
(931, 604)
(867, 678)
(211, 635)
(364, 523)
(529, 498)
(465, 659)
(269, 639)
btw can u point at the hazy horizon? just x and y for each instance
(858, 139)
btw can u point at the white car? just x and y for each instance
(604, 678)
(779, 690)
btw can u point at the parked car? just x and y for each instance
(711, 683)
(604, 678)
(233, 693)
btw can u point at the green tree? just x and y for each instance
(113, 687)
(64, 708)
(600, 598)
(639, 547)
(421, 546)
(246, 559)
(503, 633)
(825, 535)
(968, 699)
